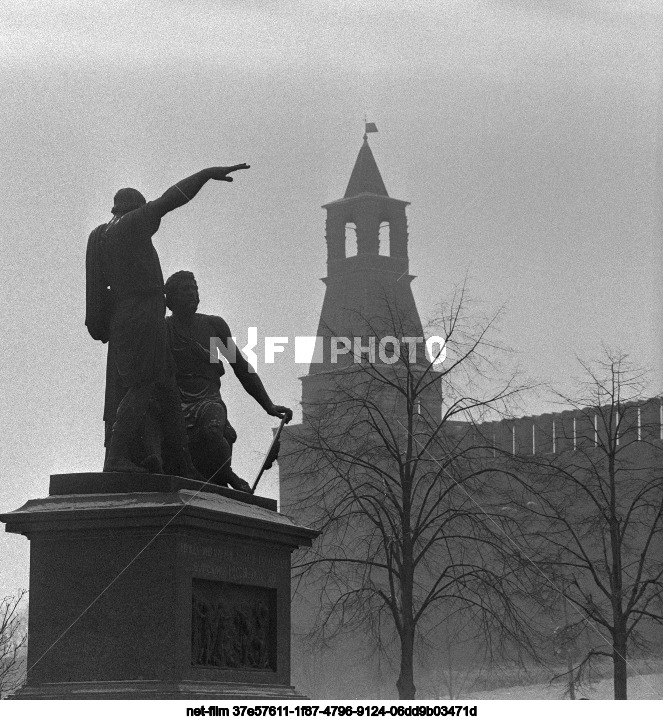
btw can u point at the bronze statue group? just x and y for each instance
(163, 408)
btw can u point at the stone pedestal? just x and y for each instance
(145, 586)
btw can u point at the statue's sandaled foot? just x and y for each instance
(192, 472)
(153, 464)
(239, 484)
(122, 465)
(187, 471)
(181, 465)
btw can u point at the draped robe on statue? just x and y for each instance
(138, 349)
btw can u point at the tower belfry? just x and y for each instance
(368, 282)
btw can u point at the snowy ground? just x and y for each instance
(645, 687)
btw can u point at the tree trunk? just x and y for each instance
(619, 664)
(571, 682)
(405, 683)
(569, 660)
(616, 583)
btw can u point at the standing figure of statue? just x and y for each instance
(194, 338)
(140, 367)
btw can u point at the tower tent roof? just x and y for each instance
(365, 176)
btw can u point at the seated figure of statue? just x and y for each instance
(189, 333)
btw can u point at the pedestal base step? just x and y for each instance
(157, 690)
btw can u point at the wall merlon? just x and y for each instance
(523, 436)
(651, 418)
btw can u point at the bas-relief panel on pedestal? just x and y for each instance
(233, 626)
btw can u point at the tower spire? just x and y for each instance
(365, 177)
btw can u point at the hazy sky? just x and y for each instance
(526, 135)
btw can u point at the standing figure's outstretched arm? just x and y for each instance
(185, 190)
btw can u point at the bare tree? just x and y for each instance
(589, 519)
(13, 643)
(385, 470)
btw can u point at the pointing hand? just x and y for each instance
(222, 173)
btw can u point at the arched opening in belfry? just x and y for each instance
(384, 238)
(350, 240)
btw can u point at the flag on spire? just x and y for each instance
(371, 128)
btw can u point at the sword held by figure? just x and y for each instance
(270, 457)
(272, 453)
